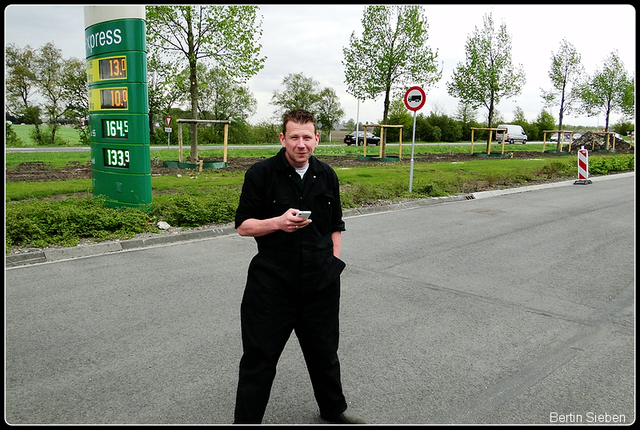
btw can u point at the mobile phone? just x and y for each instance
(304, 214)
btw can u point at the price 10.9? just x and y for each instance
(116, 158)
(114, 98)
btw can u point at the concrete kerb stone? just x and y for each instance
(403, 205)
(56, 254)
(495, 193)
(22, 259)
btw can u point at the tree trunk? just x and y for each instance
(560, 119)
(385, 114)
(193, 89)
(490, 122)
(194, 114)
(53, 133)
(606, 116)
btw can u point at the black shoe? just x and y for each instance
(346, 418)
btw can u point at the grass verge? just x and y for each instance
(41, 214)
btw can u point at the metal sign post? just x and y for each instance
(168, 130)
(414, 100)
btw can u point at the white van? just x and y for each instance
(515, 133)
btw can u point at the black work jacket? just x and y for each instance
(272, 186)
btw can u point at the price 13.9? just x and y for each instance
(116, 158)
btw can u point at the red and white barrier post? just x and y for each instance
(583, 167)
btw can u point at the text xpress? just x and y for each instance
(103, 38)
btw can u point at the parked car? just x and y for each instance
(515, 133)
(566, 138)
(372, 139)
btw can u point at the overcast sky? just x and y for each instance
(310, 38)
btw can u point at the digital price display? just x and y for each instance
(112, 68)
(115, 128)
(126, 98)
(114, 98)
(116, 158)
(127, 67)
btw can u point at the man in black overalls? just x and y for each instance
(293, 282)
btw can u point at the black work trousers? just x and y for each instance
(280, 297)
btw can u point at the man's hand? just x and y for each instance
(287, 222)
(290, 222)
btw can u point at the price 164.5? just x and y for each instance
(115, 128)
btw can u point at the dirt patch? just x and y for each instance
(598, 141)
(41, 172)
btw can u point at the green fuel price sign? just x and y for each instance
(118, 104)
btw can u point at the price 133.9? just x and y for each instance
(116, 158)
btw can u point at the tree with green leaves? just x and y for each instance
(544, 121)
(565, 74)
(609, 90)
(21, 85)
(391, 55)
(399, 115)
(162, 92)
(303, 92)
(466, 115)
(224, 99)
(329, 110)
(227, 36)
(487, 75)
(60, 83)
(76, 95)
(300, 92)
(519, 117)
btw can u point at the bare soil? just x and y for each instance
(41, 172)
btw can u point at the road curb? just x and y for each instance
(57, 254)
(495, 193)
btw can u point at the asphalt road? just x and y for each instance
(505, 309)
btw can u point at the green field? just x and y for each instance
(65, 135)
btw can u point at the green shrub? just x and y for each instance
(436, 189)
(11, 138)
(606, 164)
(43, 223)
(191, 210)
(559, 169)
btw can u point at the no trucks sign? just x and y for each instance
(415, 98)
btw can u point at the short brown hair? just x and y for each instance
(299, 116)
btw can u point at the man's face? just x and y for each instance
(299, 143)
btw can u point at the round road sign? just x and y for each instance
(415, 98)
